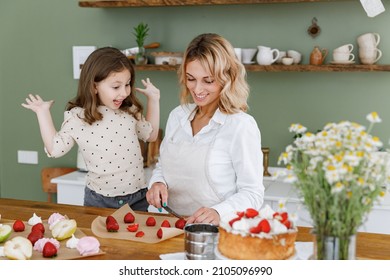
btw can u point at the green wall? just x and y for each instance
(36, 42)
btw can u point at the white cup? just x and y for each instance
(368, 40)
(297, 56)
(369, 55)
(287, 60)
(248, 55)
(344, 48)
(343, 56)
(238, 52)
(281, 55)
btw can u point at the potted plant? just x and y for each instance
(140, 33)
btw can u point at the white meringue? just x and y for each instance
(34, 220)
(72, 242)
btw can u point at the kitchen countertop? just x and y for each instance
(369, 245)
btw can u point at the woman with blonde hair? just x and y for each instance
(210, 160)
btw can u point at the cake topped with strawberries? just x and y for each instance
(253, 234)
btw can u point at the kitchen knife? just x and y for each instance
(169, 210)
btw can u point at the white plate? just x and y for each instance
(346, 62)
(219, 256)
(246, 62)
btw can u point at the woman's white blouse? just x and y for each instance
(235, 162)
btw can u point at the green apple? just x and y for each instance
(5, 232)
(64, 229)
(18, 248)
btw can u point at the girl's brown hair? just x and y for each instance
(216, 54)
(98, 66)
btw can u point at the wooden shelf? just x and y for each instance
(287, 68)
(160, 3)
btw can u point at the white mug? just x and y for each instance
(248, 54)
(344, 48)
(266, 55)
(343, 56)
(369, 55)
(368, 40)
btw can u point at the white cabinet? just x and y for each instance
(70, 188)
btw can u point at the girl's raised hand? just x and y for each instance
(150, 91)
(36, 104)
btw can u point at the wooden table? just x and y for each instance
(369, 245)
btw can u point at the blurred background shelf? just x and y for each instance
(160, 3)
(287, 68)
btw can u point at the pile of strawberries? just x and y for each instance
(263, 225)
(37, 232)
(113, 226)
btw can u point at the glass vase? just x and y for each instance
(140, 57)
(334, 247)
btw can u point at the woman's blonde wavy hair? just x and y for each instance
(216, 54)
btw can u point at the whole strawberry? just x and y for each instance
(159, 233)
(49, 250)
(150, 221)
(34, 236)
(38, 226)
(165, 223)
(111, 224)
(18, 226)
(180, 223)
(129, 218)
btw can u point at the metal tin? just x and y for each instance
(200, 241)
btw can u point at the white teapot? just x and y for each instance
(266, 55)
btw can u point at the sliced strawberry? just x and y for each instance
(129, 218)
(240, 214)
(255, 229)
(159, 233)
(34, 236)
(39, 227)
(140, 234)
(150, 221)
(264, 226)
(231, 222)
(165, 223)
(287, 223)
(281, 216)
(251, 213)
(49, 250)
(132, 227)
(18, 226)
(180, 223)
(284, 216)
